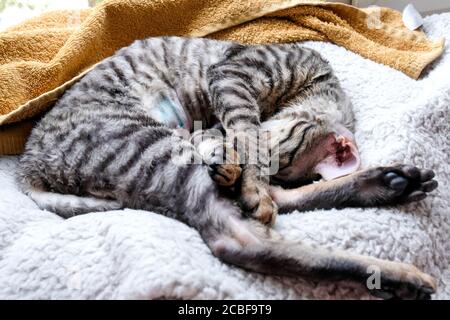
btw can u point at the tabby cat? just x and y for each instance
(114, 140)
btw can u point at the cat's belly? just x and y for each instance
(176, 114)
(169, 112)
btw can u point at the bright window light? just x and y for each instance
(15, 11)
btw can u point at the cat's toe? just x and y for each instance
(415, 196)
(426, 175)
(410, 172)
(429, 186)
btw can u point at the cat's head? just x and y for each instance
(308, 145)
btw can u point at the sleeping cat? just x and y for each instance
(115, 140)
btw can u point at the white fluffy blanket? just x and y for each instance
(134, 254)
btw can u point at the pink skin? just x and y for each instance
(334, 156)
(342, 159)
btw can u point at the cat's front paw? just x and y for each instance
(225, 175)
(395, 185)
(256, 199)
(223, 162)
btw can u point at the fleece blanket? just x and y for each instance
(40, 58)
(142, 255)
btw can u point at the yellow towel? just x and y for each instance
(41, 57)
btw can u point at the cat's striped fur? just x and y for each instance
(112, 140)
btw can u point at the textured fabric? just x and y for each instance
(13, 137)
(136, 254)
(40, 58)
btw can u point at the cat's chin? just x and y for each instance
(342, 159)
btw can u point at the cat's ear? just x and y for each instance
(342, 161)
(343, 158)
(323, 72)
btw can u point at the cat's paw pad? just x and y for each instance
(397, 184)
(408, 183)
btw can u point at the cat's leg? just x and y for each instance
(68, 205)
(255, 247)
(235, 87)
(372, 187)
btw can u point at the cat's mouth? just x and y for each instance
(342, 158)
